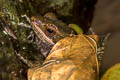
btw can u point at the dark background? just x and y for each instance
(107, 19)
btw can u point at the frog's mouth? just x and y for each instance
(41, 35)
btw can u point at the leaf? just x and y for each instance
(72, 58)
(76, 28)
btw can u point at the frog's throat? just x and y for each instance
(41, 34)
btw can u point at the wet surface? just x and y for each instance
(107, 19)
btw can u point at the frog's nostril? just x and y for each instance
(37, 21)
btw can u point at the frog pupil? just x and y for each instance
(50, 30)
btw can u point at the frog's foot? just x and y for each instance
(101, 47)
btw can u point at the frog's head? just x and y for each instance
(50, 31)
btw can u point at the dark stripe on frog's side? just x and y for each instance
(41, 34)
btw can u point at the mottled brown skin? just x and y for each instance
(49, 30)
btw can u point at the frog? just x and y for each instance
(49, 30)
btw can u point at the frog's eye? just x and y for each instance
(51, 29)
